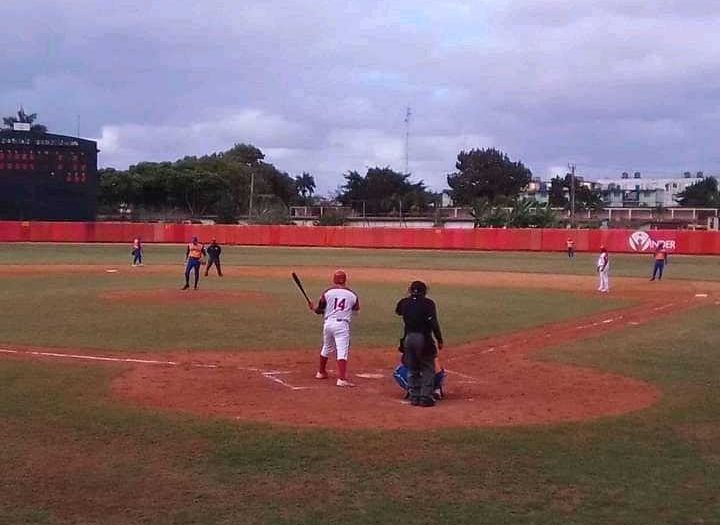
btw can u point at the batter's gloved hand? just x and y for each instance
(310, 305)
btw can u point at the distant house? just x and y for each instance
(636, 190)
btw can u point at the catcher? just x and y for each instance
(400, 374)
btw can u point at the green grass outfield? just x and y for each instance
(680, 267)
(71, 454)
(76, 310)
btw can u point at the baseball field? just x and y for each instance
(124, 399)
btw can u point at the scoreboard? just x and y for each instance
(47, 177)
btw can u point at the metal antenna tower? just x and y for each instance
(571, 167)
(408, 114)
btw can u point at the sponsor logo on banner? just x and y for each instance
(641, 241)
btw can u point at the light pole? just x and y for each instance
(572, 195)
(252, 189)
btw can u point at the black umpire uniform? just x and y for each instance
(418, 347)
(213, 251)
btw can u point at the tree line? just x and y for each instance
(218, 185)
(239, 182)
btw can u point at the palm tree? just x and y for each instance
(305, 184)
(486, 215)
(521, 214)
(24, 118)
(545, 217)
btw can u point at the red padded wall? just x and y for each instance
(678, 241)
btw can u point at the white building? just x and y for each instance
(638, 190)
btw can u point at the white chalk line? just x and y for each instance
(471, 378)
(279, 381)
(91, 357)
(268, 374)
(663, 307)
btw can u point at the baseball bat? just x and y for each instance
(300, 286)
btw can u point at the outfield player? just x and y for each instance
(660, 258)
(570, 247)
(193, 258)
(337, 305)
(419, 351)
(603, 269)
(137, 252)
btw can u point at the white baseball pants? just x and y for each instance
(336, 338)
(604, 284)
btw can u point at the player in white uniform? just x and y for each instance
(337, 304)
(603, 269)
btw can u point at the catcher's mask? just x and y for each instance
(418, 289)
(339, 277)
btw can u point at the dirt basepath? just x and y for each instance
(492, 382)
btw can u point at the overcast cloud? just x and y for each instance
(611, 85)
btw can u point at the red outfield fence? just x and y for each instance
(628, 241)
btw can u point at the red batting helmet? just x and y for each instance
(339, 277)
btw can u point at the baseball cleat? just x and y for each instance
(344, 383)
(321, 375)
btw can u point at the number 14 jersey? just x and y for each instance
(339, 303)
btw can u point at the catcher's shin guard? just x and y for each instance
(400, 374)
(438, 383)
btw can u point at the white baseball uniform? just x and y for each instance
(339, 305)
(603, 267)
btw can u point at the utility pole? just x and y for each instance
(572, 195)
(252, 189)
(408, 114)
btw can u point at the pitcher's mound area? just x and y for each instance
(164, 296)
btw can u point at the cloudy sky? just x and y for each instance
(323, 86)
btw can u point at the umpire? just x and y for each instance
(214, 251)
(418, 347)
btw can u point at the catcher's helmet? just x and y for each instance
(339, 277)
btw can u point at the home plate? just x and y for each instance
(111, 270)
(371, 376)
(700, 295)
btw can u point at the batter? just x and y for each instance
(337, 305)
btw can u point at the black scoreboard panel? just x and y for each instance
(47, 177)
